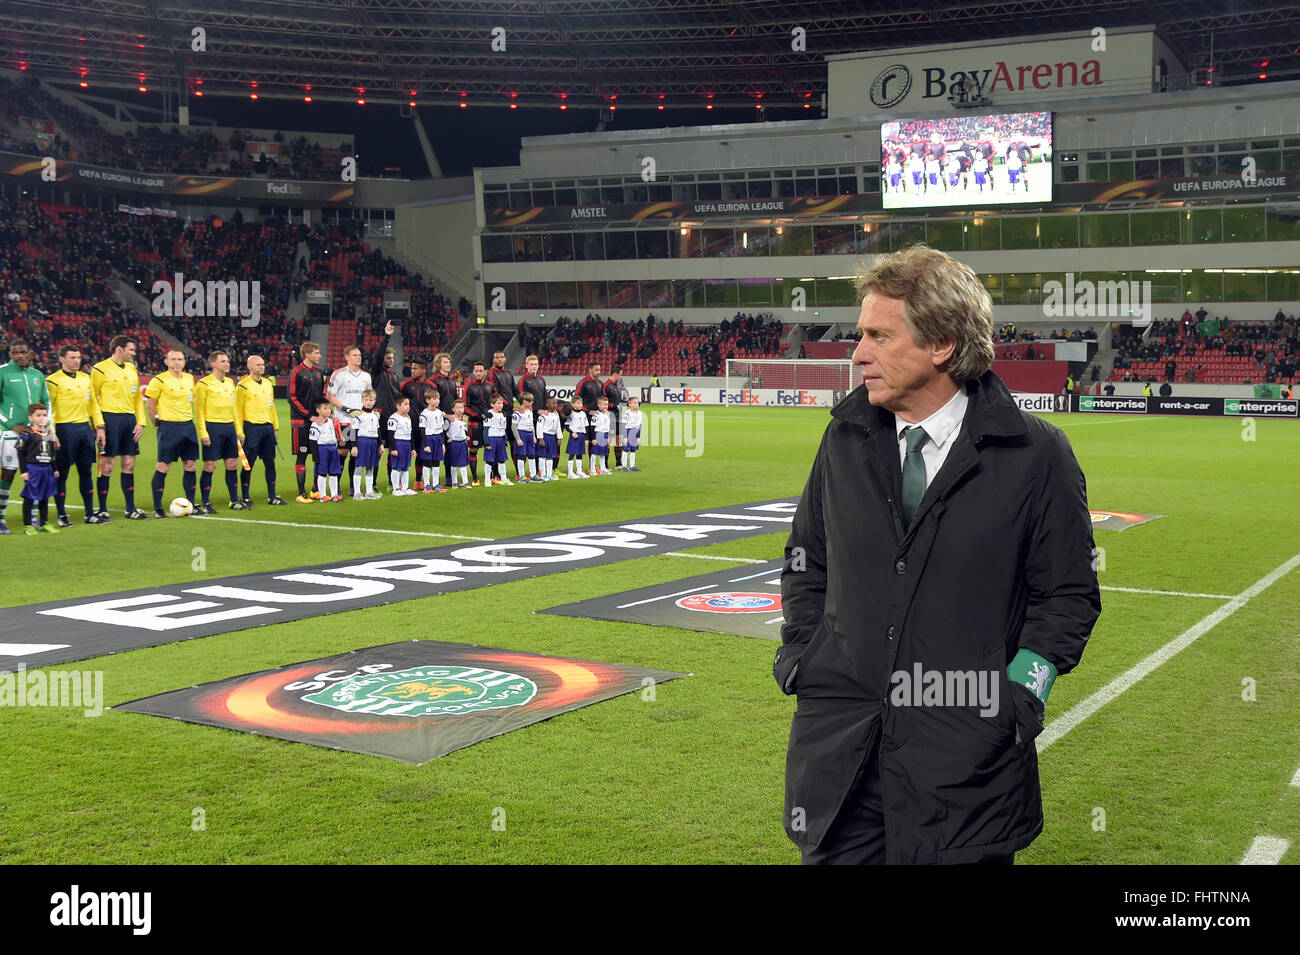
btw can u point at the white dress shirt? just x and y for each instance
(941, 428)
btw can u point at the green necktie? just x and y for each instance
(913, 473)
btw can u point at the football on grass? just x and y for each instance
(181, 508)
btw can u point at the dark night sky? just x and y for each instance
(462, 138)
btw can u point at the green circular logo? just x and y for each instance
(427, 691)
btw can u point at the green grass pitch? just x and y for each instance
(1179, 768)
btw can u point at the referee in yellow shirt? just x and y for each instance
(115, 385)
(170, 400)
(258, 425)
(79, 427)
(214, 418)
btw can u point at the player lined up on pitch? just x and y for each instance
(94, 421)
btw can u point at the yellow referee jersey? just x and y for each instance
(72, 400)
(255, 403)
(117, 388)
(213, 401)
(175, 396)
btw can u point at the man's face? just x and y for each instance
(499, 360)
(312, 358)
(221, 365)
(444, 366)
(71, 362)
(417, 371)
(256, 365)
(595, 371)
(175, 362)
(354, 359)
(479, 372)
(530, 366)
(128, 352)
(894, 367)
(20, 355)
(388, 359)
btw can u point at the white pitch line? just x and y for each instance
(1295, 780)
(24, 649)
(734, 560)
(1167, 593)
(651, 600)
(331, 527)
(1130, 677)
(1265, 850)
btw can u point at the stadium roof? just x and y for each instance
(632, 54)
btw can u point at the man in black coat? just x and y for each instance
(938, 577)
(503, 383)
(387, 390)
(589, 390)
(534, 384)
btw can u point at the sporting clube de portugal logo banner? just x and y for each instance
(412, 701)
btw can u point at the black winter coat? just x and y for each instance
(999, 556)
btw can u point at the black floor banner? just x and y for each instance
(742, 600)
(83, 627)
(413, 701)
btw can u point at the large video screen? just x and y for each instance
(966, 161)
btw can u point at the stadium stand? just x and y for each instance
(649, 347)
(1240, 352)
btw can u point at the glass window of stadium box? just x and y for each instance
(558, 246)
(1146, 168)
(566, 193)
(733, 186)
(692, 293)
(755, 292)
(1202, 225)
(1202, 165)
(1202, 286)
(1121, 171)
(1022, 288)
(717, 243)
(1165, 286)
(828, 184)
(1020, 232)
(684, 188)
(1069, 174)
(1283, 222)
(783, 181)
(592, 294)
(753, 240)
(944, 234)
(635, 189)
(623, 293)
(1059, 232)
(1155, 228)
(543, 194)
(1230, 164)
(1173, 166)
(871, 183)
(528, 247)
(521, 197)
(1245, 285)
(710, 187)
(497, 248)
(529, 295)
(652, 244)
(872, 237)
(1100, 229)
(495, 199)
(1243, 224)
(660, 293)
(905, 233)
(760, 185)
(679, 243)
(620, 244)
(561, 294)
(588, 246)
(1291, 159)
(1267, 160)
(611, 189)
(835, 239)
(588, 192)
(983, 233)
(835, 292)
(993, 284)
(849, 178)
(805, 182)
(659, 191)
(793, 240)
(1284, 285)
